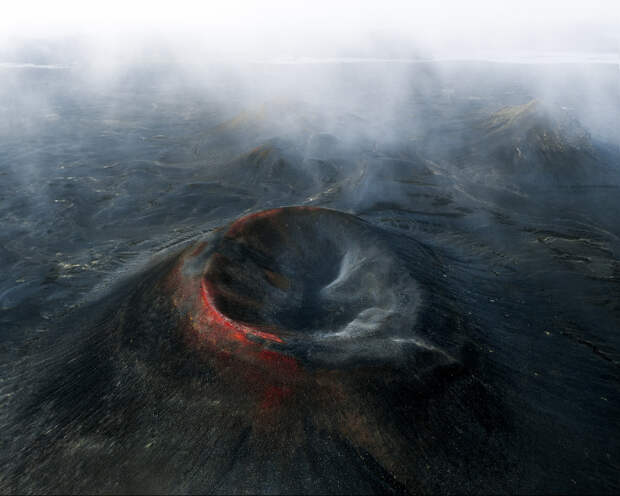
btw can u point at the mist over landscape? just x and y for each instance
(282, 248)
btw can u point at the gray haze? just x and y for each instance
(436, 313)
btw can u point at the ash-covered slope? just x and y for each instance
(529, 144)
(526, 139)
(278, 167)
(292, 120)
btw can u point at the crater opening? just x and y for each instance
(311, 275)
(276, 270)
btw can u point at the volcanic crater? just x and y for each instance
(310, 275)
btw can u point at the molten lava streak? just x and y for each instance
(222, 324)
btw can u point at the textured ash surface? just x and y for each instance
(449, 325)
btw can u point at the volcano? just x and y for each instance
(292, 331)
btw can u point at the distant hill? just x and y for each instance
(281, 120)
(278, 165)
(526, 144)
(528, 136)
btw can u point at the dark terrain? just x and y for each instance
(441, 316)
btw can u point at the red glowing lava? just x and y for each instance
(218, 322)
(222, 337)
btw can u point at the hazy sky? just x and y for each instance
(292, 27)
